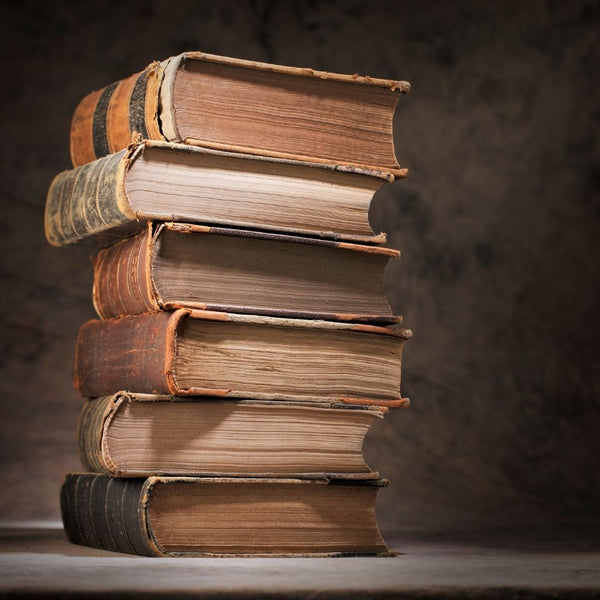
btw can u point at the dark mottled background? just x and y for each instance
(498, 224)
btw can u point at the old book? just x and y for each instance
(172, 265)
(187, 516)
(128, 435)
(241, 105)
(113, 196)
(187, 352)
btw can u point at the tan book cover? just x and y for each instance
(135, 435)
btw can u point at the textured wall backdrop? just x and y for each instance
(498, 224)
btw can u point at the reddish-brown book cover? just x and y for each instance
(187, 352)
(175, 265)
(243, 106)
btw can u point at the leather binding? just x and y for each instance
(139, 353)
(101, 512)
(143, 106)
(113, 514)
(89, 204)
(98, 414)
(108, 120)
(125, 281)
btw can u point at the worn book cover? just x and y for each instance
(113, 197)
(132, 435)
(207, 516)
(173, 265)
(189, 353)
(241, 105)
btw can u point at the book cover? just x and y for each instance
(113, 197)
(174, 265)
(133, 435)
(189, 353)
(207, 516)
(245, 106)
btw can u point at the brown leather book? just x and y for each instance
(187, 352)
(139, 435)
(174, 265)
(242, 105)
(114, 196)
(187, 516)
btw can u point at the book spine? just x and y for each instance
(90, 432)
(103, 512)
(87, 201)
(123, 278)
(108, 120)
(128, 353)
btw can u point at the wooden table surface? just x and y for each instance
(40, 562)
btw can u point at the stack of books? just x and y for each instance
(244, 344)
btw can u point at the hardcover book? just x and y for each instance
(129, 435)
(186, 516)
(238, 281)
(173, 265)
(242, 105)
(114, 196)
(187, 352)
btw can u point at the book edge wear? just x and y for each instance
(141, 107)
(97, 416)
(125, 281)
(157, 376)
(108, 513)
(90, 201)
(89, 204)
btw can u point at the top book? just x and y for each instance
(243, 106)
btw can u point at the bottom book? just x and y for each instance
(223, 516)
